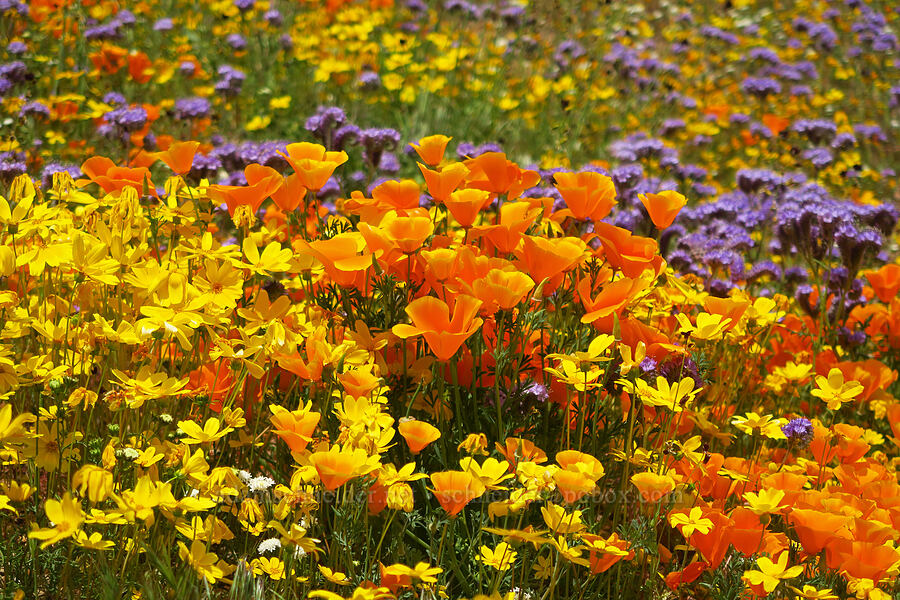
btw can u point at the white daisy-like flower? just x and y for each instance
(269, 545)
(130, 453)
(244, 475)
(261, 483)
(299, 552)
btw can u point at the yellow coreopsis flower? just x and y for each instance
(209, 433)
(767, 425)
(335, 577)
(93, 542)
(273, 567)
(66, 517)
(811, 593)
(771, 572)
(708, 327)
(203, 562)
(501, 558)
(834, 391)
(765, 502)
(690, 522)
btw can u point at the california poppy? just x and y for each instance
(885, 281)
(431, 149)
(179, 156)
(431, 319)
(588, 195)
(444, 182)
(112, 178)
(455, 489)
(339, 465)
(262, 183)
(465, 205)
(663, 207)
(418, 434)
(313, 164)
(294, 427)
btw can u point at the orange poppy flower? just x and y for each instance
(573, 485)
(431, 149)
(493, 172)
(885, 282)
(776, 123)
(294, 427)
(140, 67)
(179, 156)
(688, 574)
(440, 265)
(588, 195)
(663, 207)
(418, 434)
(291, 193)
(501, 289)
(515, 219)
(714, 544)
(359, 383)
(605, 552)
(864, 560)
(111, 178)
(109, 58)
(465, 205)
(729, 308)
(339, 465)
(262, 182)
(546, 258)
(431, 319)
(344, 256)
(653, 487)
(587, 465)
(408, 233)
(747, 532)
(630, 253)
(455, 489)
(520, 449)
(611, 300)
(816, 529)
(397, 195)
(312, 163)
(444, 182)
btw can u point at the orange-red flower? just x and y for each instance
(444, 182)
(313, 164)
(588, 195)
(294, 427)
(431, 149)
(455, 489)
(431, 319)
(111, 178)
(885, 282)
(501, 289)
(339, 465)
(179, 156)
(465, 205)
(418, 434)
(262, 182)
(663, 207)
(630, 253)
(493, 172)
(546, 258)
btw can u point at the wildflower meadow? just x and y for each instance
(449, 299)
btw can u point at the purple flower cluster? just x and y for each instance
(191, 108)
(230, 82)
(112, 29)
(12, 164)
(798, 431)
